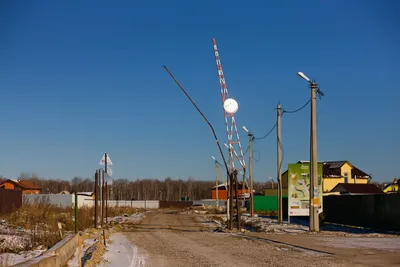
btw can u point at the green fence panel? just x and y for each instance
(266, 203)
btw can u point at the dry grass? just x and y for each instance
(39, 223)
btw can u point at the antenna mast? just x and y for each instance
(230, 121)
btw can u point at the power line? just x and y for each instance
(270, 131)
(297, 110)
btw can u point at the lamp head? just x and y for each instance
(302, 75)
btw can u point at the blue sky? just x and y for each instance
(85, 77)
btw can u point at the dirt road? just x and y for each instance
(173, 239)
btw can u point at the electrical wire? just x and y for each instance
(297, 110)
(246, 150)
(259, 155)
(270, 131)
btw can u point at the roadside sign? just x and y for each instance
(103, 160)
(299, 189)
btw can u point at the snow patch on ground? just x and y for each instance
(9, 259)
(121, 252)
(270, 225)
(134, 218)
(13, 239)
(87, 243)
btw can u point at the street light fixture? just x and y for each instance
(302, 75)
(314, 188)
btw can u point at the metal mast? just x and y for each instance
(230, 122)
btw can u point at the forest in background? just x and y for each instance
(140, 189)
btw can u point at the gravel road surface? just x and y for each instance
(174, 239)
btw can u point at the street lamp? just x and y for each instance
(251, 137)
(302, 75)
(314, 194)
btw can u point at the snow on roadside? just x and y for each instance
(87, 243)
(9, 259)
(134, 218)
(270, 225)
(121, 252)
(93, 237)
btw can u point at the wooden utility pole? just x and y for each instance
(279, 162)
(216, 182)
(251, 137)
(106, 195)
(76, 211)
(96, 199)
(237, 199)
(230, 200)
(314, 219)
(102, 199)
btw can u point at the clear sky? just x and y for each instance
(80, 78)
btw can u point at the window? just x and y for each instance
(346, 178)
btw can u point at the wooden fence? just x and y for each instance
(10, 200)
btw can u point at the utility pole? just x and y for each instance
(102, 199)
(76, 211)
(96, 199)
(314, 218)
(100, 196)
(251, 137)
(251, 173)
(106, 189)
(314, 187)
(279, 162)
(105, 185)
(237, 199)
(216, 182)
(230, 200)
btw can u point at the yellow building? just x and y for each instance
(335, 172)
(393, 187)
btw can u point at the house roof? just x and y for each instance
(357, 188)
(359, 173)
(332, 169)
(28, 184)
(23, 184)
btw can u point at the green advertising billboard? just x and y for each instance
(299, 189)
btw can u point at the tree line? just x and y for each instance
(140, 189)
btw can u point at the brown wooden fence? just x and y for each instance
(10, 200)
